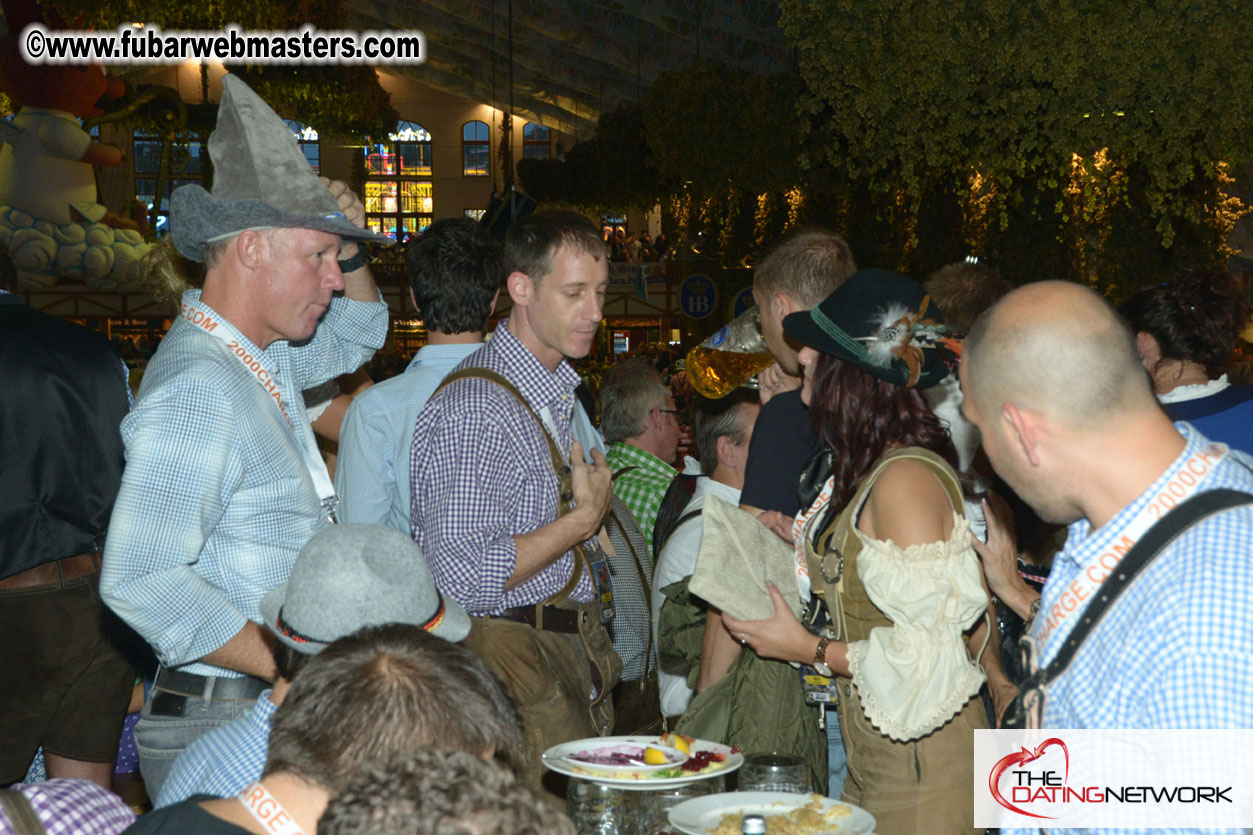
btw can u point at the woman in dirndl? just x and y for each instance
(885, 546)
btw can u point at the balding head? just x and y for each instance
(1058, 349)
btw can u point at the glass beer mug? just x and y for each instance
(730, 357)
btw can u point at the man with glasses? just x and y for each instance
(641, 426)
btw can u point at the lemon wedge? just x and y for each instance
(652, 756)
(683, 743)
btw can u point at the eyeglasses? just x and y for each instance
(674, 412)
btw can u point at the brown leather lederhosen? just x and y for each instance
(550, 675)
(923, 786)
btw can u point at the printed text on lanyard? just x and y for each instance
(222, 330)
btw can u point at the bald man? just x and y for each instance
(1069, 420)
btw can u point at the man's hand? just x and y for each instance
(592, 485)
(773, 380)
(1000, 559)
(779, 523)
(349, 203)
(685, 446)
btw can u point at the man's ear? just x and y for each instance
(495, 299)
(521, 288)
(726, 450)
(655, 418)
(251, 247)
(415, 303)
(785, 304)
(1026, 430)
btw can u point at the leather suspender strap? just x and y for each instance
(842, 526)
(559, 462)
(565, 490)
(21, 814)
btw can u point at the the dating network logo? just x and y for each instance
(1119, 778)
(1022, 758)
(1032, 783)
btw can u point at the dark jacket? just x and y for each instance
(62, 398)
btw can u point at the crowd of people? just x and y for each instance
(490, 571)
(636, 247)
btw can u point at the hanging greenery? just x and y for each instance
(612, 170)
(908, 95)
(710, 125)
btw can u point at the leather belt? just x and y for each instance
(555, 619)
(194, 686)
(53, 573)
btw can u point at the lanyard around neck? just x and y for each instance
(1184, 484)
(268, 812)
(201, 316)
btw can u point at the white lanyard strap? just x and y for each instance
(211, 323)
(800, 531)
(1185, 483)
(546, 415)
(268, 811)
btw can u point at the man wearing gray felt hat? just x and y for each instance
(347, 577)
(224, 483)
(350, 576)
(261, 180)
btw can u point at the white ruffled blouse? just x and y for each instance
(915, 675)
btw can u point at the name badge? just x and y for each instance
(602, 575)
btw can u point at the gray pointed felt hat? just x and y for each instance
(348, 577)
(261, 179)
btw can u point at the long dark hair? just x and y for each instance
(859, 417)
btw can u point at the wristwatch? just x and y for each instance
(356, 262)
(820, 657)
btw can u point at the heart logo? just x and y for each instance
(1019, 758)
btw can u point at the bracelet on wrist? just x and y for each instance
(356, 262)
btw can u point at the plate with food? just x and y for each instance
(642, 762)
(785, 813)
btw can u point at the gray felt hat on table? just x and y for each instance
(351, 576)
(261, 179)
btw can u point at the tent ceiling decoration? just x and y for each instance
(574, 60)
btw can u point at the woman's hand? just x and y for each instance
(1003, 693)
(779, 636)
(777, 522)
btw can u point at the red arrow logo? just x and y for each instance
(1023, 757)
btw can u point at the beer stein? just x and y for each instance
(730, 358)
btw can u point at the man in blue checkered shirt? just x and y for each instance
(224, 482)
(1070, 422)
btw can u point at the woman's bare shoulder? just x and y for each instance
(907, 505)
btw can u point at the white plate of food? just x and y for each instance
(610, 760)
(785, 813)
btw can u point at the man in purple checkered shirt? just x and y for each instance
(485, 496)
(70, 807)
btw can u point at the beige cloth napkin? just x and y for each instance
(738, 556)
